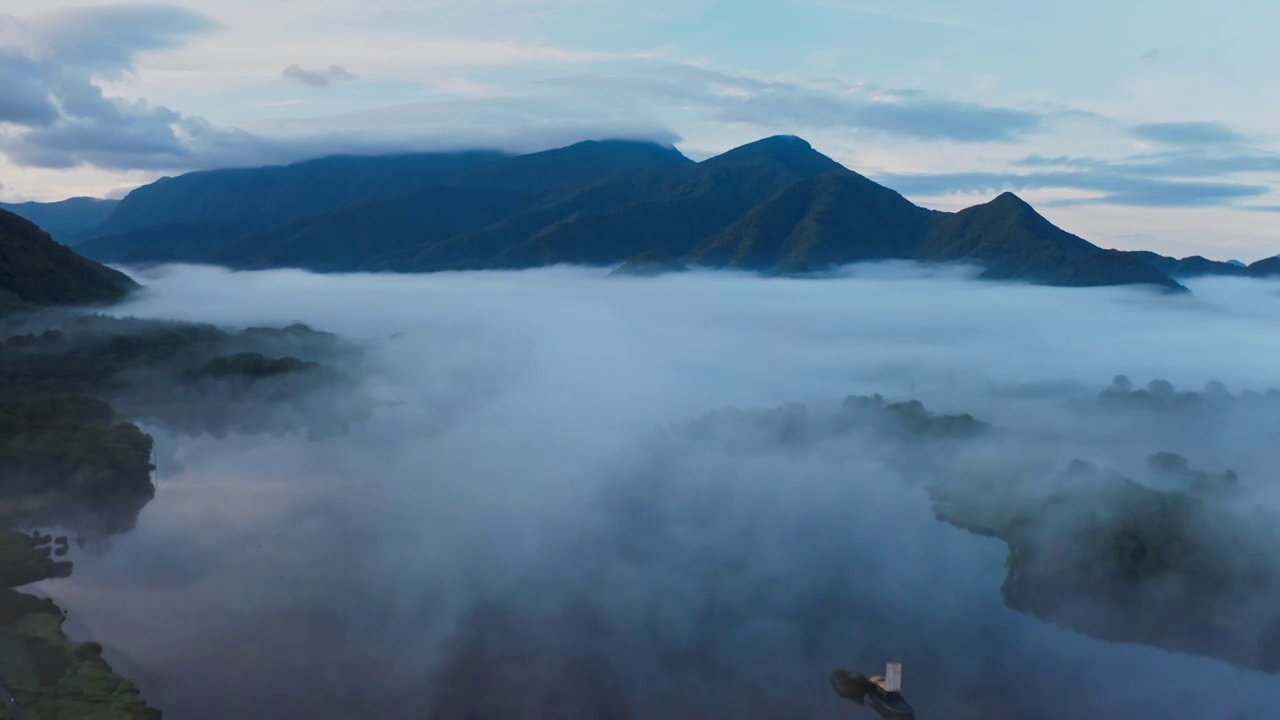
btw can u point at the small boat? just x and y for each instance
(882, 693)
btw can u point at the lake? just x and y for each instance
(520, 527)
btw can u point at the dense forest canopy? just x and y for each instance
(36, 270)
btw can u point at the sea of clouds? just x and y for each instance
(525, 528)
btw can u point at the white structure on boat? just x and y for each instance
(893, 677)
(892, 680)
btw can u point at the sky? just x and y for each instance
(1144, 124)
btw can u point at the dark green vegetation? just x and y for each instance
(25, 559)
(62, 455)
(66, 459)
(1178, 413)
(1175, 557)
(1172, 556)
(53, 678)
(36, 270)
(70, 384)
(189, 378)
(774, 206)
(1118, 560)
(895, 424)
(252, 366)
(68, 221)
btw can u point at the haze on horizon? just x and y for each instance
(1142, 125)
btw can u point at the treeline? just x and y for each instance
(70, 383)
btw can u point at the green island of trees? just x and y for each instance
(1187, 570)
(1180, 558)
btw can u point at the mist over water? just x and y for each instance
(525, 527)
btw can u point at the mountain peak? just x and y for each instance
(787, 150)
(624, 143)
(776, 144)
(792, 141)
(615, 148)
(1009, 201)
(1012, 208)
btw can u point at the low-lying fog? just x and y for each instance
(523, 530)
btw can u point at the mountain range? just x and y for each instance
(69, 221)
(775, 206)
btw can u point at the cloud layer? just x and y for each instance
(1112, 188)
(60, 116)
(903, 113)
(529, 526)
(1195, 134)
(317, 78)
(1156, 179)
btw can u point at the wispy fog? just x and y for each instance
(527, 527)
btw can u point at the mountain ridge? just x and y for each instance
(711, 195)
(37, 270)
(802, 225)
(68, 221)
(775, 205)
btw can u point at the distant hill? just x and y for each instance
(1014, 242)
(163, 243)
(1265, 268)
(37, 270)
(773, 206)
(261, 198)
(203, 211)
(1197, 266)
(68, 221)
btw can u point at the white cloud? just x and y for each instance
(317, 78)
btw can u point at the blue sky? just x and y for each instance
(1135, 124)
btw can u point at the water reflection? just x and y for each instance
(270, 579)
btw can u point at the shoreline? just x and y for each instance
(43, 672)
